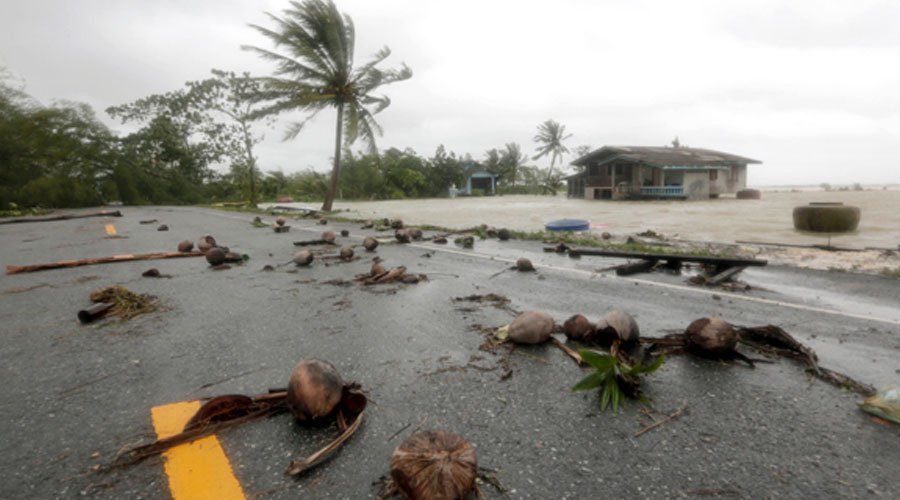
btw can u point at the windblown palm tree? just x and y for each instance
(316, 72)
(550, 138)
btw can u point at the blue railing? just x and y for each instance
(662, 191)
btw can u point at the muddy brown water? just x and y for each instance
(723, 220)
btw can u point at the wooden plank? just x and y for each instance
(719, 261)
(100, 260)
(61, 217)
(725, 275)
(635, 267)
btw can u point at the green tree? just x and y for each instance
(318, 73)
(550, 138)
(512, 159)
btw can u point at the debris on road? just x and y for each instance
(524, 265)
(465, 241)
(205, 242)
(657, 423)
(434, 464)
(370, 243)
(154, 273)
(281, 229)
(345, 233)
(578, 327)
(346, 252)
(148, 221)
(215, 256)
(402, 235)
(125, 303)
(162, 227)
(186, 246)
(531, 327)
(503, 234)
(303, 258)
(615, 375)
(94, 312)
(884, 404)
(99, 260)
(62, 217)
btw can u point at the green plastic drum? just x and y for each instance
(826, 218)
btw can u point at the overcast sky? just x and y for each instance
(811, 88)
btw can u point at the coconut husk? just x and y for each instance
(205, 242)
(370, 243)
(531, 327)
(402, 235)
(347, 252)
(616, 325)
(578, 327)
(215, 256)
(434, 464)
(126, 304)
(280, 221)
(314, 390)
(328, 237)
(186, 246)
(303, 258)
(503, 234)
(524, 264)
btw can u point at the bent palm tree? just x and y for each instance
(318, 73)
(550, 137)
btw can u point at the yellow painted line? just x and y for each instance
(199, 469)
(110, 229)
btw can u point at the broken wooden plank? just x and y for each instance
(828, 248)
(99, 260)
(635, 267)
(61, 217)
(717, 261)
(725, 275)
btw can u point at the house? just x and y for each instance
(643, 172)
(477, 177)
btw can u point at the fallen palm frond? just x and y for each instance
(124, 303)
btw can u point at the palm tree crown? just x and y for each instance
(316, 72)
(550, 136)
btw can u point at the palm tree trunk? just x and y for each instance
(332, 186)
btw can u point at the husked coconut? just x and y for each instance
(524, 264)
(415, 234)
(377, 269)
(434, 464)
(206, 242)
(303, 258)
(347, 252)
(215, 256)
(345, 233)
(711, 336)
(328, 236)
(578, 327)
(186, 246)
(314, 390)
(531, 327)
(370, 243)
(280, 220)
(402, 235)
(617, 325)
(503, 234)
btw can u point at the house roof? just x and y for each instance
(664, 156)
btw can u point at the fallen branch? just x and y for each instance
(671, 416)
(61, 217)
(299, 466)
(99, 260)
(568, 350)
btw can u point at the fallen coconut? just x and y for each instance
(402, 235)
(617, 325)
(215, 256)
(314, 390)
(441, 240)
(370, 244)
(163, 227)
(396, 224)
(524, 264)
(303, 258)
(434, 464)
(205, 242)
(531, 327)
(467, 241)
(328, 236)
(347, 252)
(186, 246)
(503, 234)
(713, 337)
(377, 269)
(578, 327)
(322, 222)
(233, 257)
(345, 233)
(280, 221)
(415, 234)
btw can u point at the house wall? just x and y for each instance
(696, 185)
(729, 181)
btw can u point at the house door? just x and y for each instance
(657, 177)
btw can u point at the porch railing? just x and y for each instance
(662, 191)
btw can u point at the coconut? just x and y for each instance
(377, 269)
(503, 234)
(396, 224)
(370, 243)
(322, 222)
(215, 256)
(280, 221)
(206, 242)
(345, 233)
(711, 337)
(328, 237)
(347, 252)
(303, 258)
(524, 264)
(233, 257)
(440, 240)
(531, 327)
(434, 464)
(402, 235)
(617, 325)
(415, 234)
(314, 390)
(186, 246)
(578, 327)
(163, 227)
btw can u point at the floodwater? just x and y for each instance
(724, 220)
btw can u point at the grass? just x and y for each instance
(893, 273)
(15, 211)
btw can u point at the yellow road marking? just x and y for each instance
(199, 469)
(110, 229)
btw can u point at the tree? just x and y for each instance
(550, 138)
(234, 98)
(318, 73)
(512, 159)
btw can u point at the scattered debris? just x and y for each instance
(654, 425)
(531, 327)
(345, 233)
(186, 246)
(402, 235)
(124, 303)
(394, 224)
(441, 240)
(268, 267)
(503, 234)
(320, 241)
(100, 260)
(465, 241)
(346, 252)
(162, 227)
(616, 326)
(370, 243)
(524, 265)
(94, 312)
(884, 404)
(303, 258)
(578, 327)
(434, 464)
(415, 234)
(328, 237)
(154, 273)
(215, 256)
(281, 229)
(62, 217)
(148, 221)
(279, 221)
(615, 375)
(205, 242)
(322, 222)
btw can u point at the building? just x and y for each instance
(477, 178)
(642, 172)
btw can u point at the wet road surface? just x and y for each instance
(74, 395)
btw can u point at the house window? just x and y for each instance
(593, 170)
(713, 175)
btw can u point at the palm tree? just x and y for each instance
(550, 137)
(316, 72)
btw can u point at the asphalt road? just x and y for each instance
(73, 395)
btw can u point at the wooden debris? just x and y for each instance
(675, 414)
(99, 260)
(64, 217)
(641, 266)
